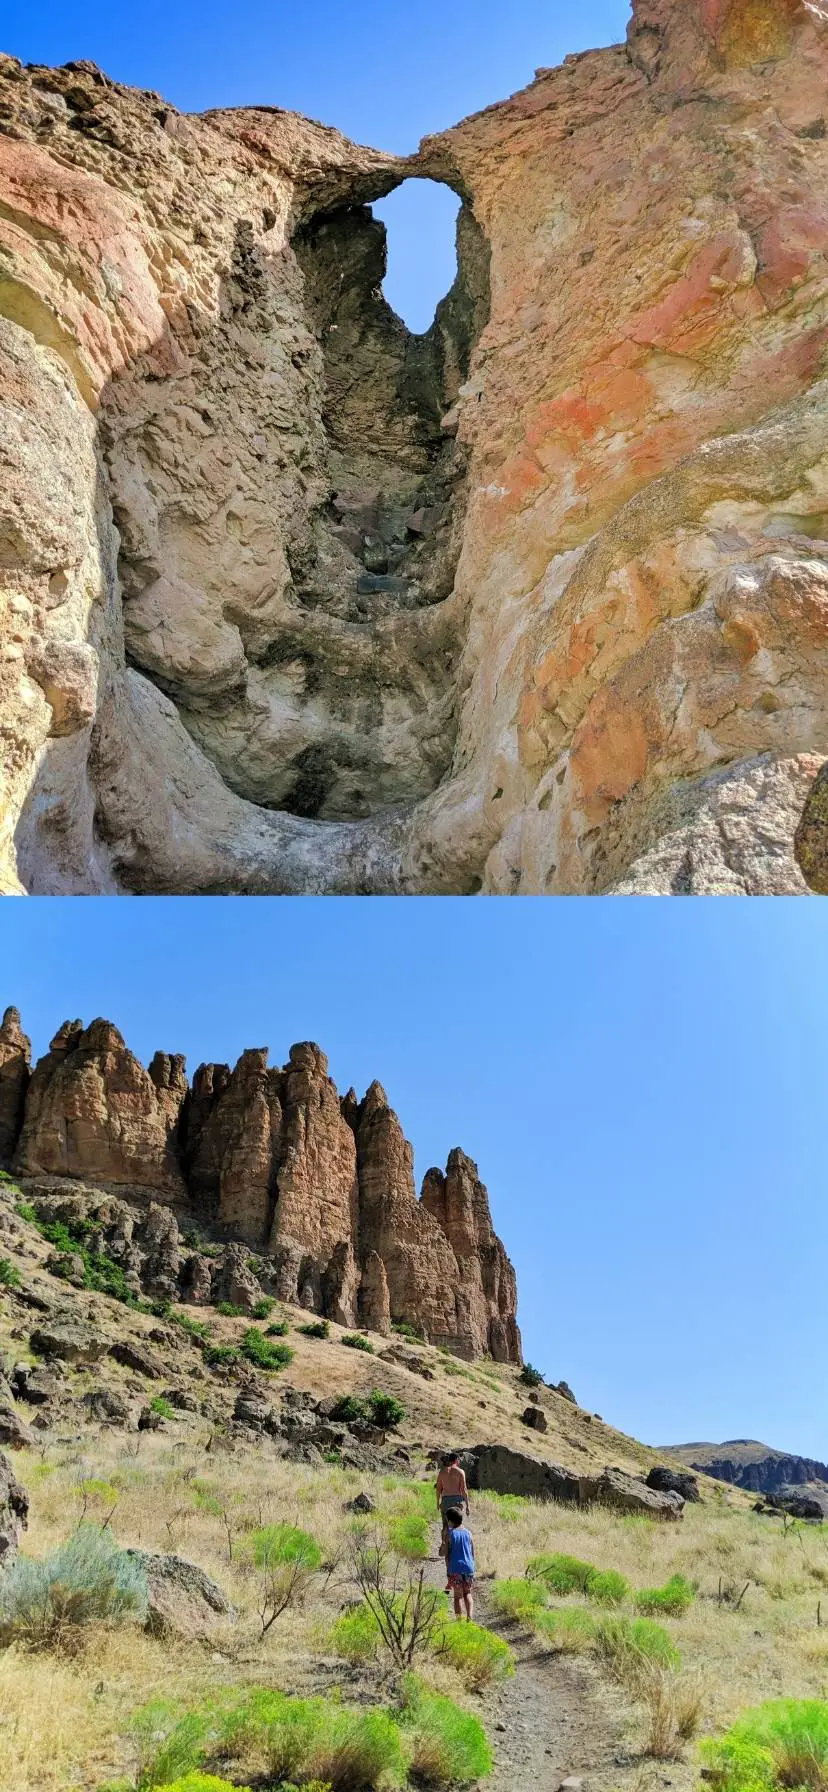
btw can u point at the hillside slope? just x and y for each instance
(743, 1462)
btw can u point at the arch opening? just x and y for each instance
(420, 219)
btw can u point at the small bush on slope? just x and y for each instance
(673, 1599)
(560, 1574)
(201, 1782)
(408, 1535)
(318, 1328)
(358, 1341)
(568, 1632)
(608, 1588)
(518, 1599)
(450, 1747)
(781, 1743)
(628, 1645)
(88, 1580)
(479, 1657)
(256, 1349)
(315, 1739)
(274, 1544)
(9, 1276)
(355, 1635)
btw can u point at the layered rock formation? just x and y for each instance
(271, 1161)
(754, 1466)
(294, 601)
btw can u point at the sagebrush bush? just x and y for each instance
(279, 1329)
(386, 1410)
(607, 1587)
(318, 1328)
(627, 1646)
(781, 1743)
(673, 1599)
(404, 1330)
(301, 1739)
(358, 1341)
(89, 1580)
(273, 1544)
(162, 1407)
(229, 1310)
(479, 1656)
(355, 1635)
(221, 1355)
(449, 1746)
(9, 1276)
(567, 1632)
(256, 1348)
(263, 1308)
(560, 1573)
(518, 1599)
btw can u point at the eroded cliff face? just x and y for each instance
(274, 1161)
(538, 602)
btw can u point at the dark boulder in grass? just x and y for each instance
(497, 1469)
(674, 1480)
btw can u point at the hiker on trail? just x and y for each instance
(452, 1494)
(460, 1565)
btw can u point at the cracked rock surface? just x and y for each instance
(294, 601)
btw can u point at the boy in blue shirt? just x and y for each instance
(460, 1565)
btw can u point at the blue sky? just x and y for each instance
(386, 74)
(641, 1083)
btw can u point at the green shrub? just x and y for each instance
(24, 1210)
(351, 1410)
(450, 1747)
(674, 1598)
(319, 1328)
(263, 1308)
(404, 1330)
(256, 1349)
(567, 1632)
(781, 1743)
(518, 1599)
(228, 1310)
(408, 1535)
(168, 1743)
(529, 1377)
(221, 1355)
(560, 1573)
(355, 1635)
(628, 1646)
(385, 1410)
(607, 1587)
(195, 1328)
(479, 1656)
(201, 1782)
(88, 1580)
(279, 1329)
(274, 1544)
(358, 1341)
(9, 1276)
(163, 1408)
(316, 1739)
(79, 1238)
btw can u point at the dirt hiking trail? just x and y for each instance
(553, 1720)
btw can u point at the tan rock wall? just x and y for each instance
(269, 1160)
(607, 668)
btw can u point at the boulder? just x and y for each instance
(498, 1469)
(107, 1407)
(14, 1509)
(362, 1503)
(535, 1418)
(183, 1600)
(71, 1340)
(674, 1480)
(133, 1355)
(14, 1433)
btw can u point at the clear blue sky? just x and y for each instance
(384, 73)
(641, 1083)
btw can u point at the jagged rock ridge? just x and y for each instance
(743, 1462)
(273, 1161)
(293, 601)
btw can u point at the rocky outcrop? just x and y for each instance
(498, 1469)
(15, 1059)
(14, 1508)
(293, 601)
(92, 1110)
(752, 1465)
(266, 1160)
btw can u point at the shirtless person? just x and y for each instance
(452, 1494)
